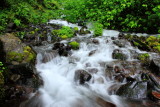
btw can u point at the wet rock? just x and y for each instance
(118, 54)
(104, 103)
(109, 71)
(130, 79)
(155, 66)
(92, 52)
(62, 49)
(113, 38)
(117, 69)
(58, 45)
(135, 90)
(119, 77)
(82, 76)
(121, 35)
(120, 43)
(92, 70)
(95, 41)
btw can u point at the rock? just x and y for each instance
(15, 77)
(119, 77)
(135, 90)
(121, 35)
(95, 41)
(155, 66)
(62, 49)
(118, 54)
(92, 52)
(120, 43)
(15, 50)
(117, 69)
(82, 76)
(138, 43)
(113, 38)
(104, 103)
(92, 70)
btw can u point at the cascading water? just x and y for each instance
(59, 86)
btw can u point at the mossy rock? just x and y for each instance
(144, 58)
(16, 51)
(75, 45)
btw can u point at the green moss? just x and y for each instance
(143, 57)
(75, 28)
(64, 37)
(136, 43)
(157, 48)
(98, 29)
(14, 56)
(32, 32)
(65, 30)
(1, 78)
(75, 45)
(26, 56)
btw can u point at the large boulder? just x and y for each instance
(16, 52)
(135, 90)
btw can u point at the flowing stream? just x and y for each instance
(59, 86)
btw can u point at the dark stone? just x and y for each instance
(118, 54)
(121, 35)
(92, 70)
(141, 45)
(82, 76)
(130, 79)
(95, 41)
(120, 43)
(92, 52)
(119, 77)
(113, 38)
(155, 66)
(135, 90)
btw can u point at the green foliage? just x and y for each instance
(126, 15)
(64, 31)
(75, 45)
(25, 12)
(2, 68)
(98, 29)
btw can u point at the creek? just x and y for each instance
(61, 87)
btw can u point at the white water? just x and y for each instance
(60, 88)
